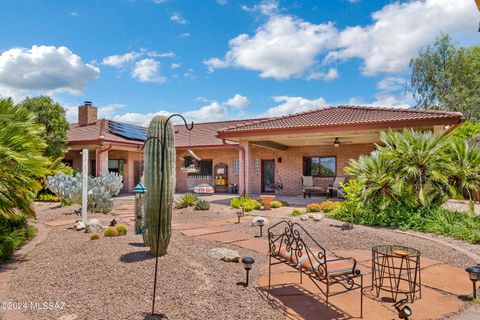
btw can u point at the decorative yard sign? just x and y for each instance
(84, 185)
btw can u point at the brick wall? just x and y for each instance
(87, 115)
(226, 155)
(291, 168)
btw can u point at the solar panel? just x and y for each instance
(127, 131)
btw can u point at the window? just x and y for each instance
(116, 166)
(320, 166)
(205, 167)
(236, 167)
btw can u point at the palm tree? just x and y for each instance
(420, 165)
(466, 175)
(22, 164)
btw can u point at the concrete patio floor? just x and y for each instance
(444, 287)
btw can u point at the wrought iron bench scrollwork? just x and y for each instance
(291, 244)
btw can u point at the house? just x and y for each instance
(257, 155)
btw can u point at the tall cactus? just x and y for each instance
(155, 214)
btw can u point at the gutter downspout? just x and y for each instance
(242, 164)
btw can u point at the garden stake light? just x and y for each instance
(404, 312)
(260, 223)
(247, 265)
(474, 275)
(162, 167)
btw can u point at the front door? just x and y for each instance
(268, 176)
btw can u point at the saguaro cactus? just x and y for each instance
(158, 202)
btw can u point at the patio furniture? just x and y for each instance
(267, 201)
(396, 270)
(335, 190)
(308, 187)
(291, 244)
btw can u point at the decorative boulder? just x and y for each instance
(224, 254)
(304, 217)
(93, 221)
(79, 225)
(318, 217)
(94, 228)
(259, 220)
(310, 215)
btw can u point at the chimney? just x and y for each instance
(87, 114)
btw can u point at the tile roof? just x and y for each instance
(203, 134)
(342, 115)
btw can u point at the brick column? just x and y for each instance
(101, 161)
(246, 168)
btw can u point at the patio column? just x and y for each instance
(101, 160)
(246, 167)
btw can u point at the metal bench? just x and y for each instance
(291, 244)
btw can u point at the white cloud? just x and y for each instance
(74, 14)
(119, 61)
(147, 70)
(185, 35)
(189, 74)
(283, 47)
(294, 104)
(176, 17)
(399, 30)
(387, 100)
(175, 65)
(212, 112)
(238, 101)
(154, 54)
(266, 7)
(45, 69)
(159, 1)
(388, 84)
(331, 74)
(140, 119)
(222, 2)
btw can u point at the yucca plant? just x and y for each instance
(22, 164)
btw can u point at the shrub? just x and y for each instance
(314, 207)
(8, 248)
(110, 232)
(121, 229)
(202, 204)
(251, 205)
(297, 212)
(47, 197)
(276, 204)
(284, 203)
(94, 236)
(187, 200)
(237, 202)
(328, 206)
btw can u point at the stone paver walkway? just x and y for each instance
(441, 284)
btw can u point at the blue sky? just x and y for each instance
(220, 59)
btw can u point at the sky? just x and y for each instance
(213, 60)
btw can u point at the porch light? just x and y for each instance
(247, 265)
(139, 191)
(474, 275)
(336, 143)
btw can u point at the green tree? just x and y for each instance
(445, 77)
(52, 116)
(22, 160)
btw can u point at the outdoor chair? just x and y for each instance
(308, 187)
(291, 244)
(335, 190)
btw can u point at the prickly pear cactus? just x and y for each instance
(159, 217)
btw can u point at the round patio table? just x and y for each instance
(396, 270)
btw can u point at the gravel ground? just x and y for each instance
(51, 211)
(112, 278)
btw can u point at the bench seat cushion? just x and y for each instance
(310, 261)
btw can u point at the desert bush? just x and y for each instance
(8, 248)
(94, 236)
(110, 232)
(121, 229)
(284, 203)
(314, 207)
(276, 204)
(101, 189)
(328, 206)
(202, 204)
(237, 202)
(296, 212)
(251, 205)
